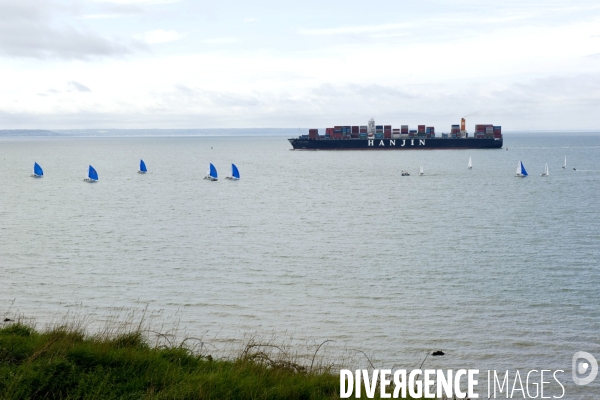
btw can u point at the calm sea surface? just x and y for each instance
(499, 272)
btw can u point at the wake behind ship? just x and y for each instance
(384, 137)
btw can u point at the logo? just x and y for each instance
(580, 367)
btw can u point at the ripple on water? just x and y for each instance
(498, 272)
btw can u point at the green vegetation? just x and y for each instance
(64, 363)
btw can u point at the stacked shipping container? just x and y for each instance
(488, 131)
(497, 132)
(363, 132)
(430, 132)
(337, 132)
(455, 131)
(387, 132)
(346, 132)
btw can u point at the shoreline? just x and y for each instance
(64, 361)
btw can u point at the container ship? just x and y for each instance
(384, 137)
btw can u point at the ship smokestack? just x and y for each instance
(462, 125)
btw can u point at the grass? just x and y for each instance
(65, 363)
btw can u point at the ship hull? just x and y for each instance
(396, 144)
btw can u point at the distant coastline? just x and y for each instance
(223, 132)
(151, 132)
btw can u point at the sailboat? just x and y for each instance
(546, 172)
(235, 174)
(565, 164)
(212, 173)
(92, 175)
(470, 166)
(521, 173)
(143, 168)
(37, 171)
(421, 170)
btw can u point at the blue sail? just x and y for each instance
(92, 174)
(143, 166)
(213, 171)
(37, 169)
(523, 172)
(234, 172)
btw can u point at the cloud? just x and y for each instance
(138, 1)
(345, 30)
(78, 86)
(112, 10)
(250, 19)
(161, 36)
(69, 87)
(365, 92)
(102, 16)
(223, 40)
(208, 98)
(48, 92)
(545, 103)
(27, 30)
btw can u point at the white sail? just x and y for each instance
(470, 164)
(421, 170)
(547, 172)
(565, 164)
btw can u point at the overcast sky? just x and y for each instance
(237, 63)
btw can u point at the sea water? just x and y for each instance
(498, 272)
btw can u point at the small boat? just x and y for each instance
(212, 173)
(521, 173)
(92, 175)
(565, 164)
(546, 172)
(574, 169)
(143, 168)
(38, 172)
(470, 166)
(421, 170)
(405, 173)
(235, 174)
